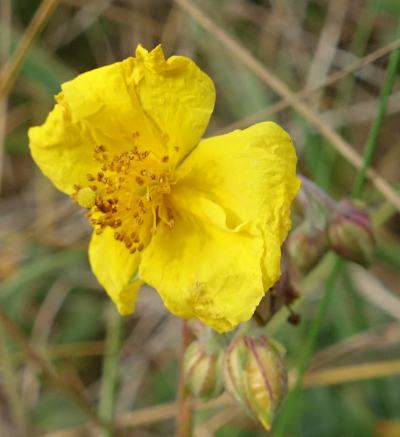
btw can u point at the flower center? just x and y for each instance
(127, 195)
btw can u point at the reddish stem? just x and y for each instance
(184, 416)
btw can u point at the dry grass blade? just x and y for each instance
(217, 421)
(365, 341)
(5, 39)
(342, 146)
(166, 411)
(123, 15)
(11, 385)
(62, 351)
(149, 415)
(10, 71)
(81, 21)
(340, 375)
(66, 385)
(372, 289)
(306, 92)
(329, 37)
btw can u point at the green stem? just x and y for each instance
(358, 46)
(110, 372)
(291, 402)
(377, 123)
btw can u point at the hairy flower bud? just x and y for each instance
(254, 373)
(306, 246)
(350, 232)
(202, 370)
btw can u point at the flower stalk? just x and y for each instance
(110, 372)
(184, 420)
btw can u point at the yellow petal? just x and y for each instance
(104, 101)
(205, 271)
(63, 150)
(177, 95)
(167, 102)
(231, 208)
(96, 108)
(251, 174)
(114, 268)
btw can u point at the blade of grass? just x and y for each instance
(5, 37)
(42, 67)
(377, 123)
(305, 357)
(67, 386)
(63, 351)
(110, 372)
(291, 402)
(358, 45)
(376, 292)
(342, 146)
(17, 405)
(368, 340)
(307, 92)
(37, 268)
(11, 69)
(158, 413)
(125, 15)
(342, 374)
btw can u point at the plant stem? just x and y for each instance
(291, 401)
(361, 178)
(378, 120)
(313, 188)
(184, 418)
(110, 372)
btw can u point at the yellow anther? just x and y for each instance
(86, 197)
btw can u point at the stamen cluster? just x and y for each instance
(126, 194)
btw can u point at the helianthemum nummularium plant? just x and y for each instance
(202, 221)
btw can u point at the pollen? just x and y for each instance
(126, 194)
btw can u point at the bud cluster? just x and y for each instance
(347, 230)
(251, 369)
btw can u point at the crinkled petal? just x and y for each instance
(114, 268)
(251, 174)
(203, 270)
(63, 150)
(168, 102)
(177, 96)
(231, 207)
(96, 108)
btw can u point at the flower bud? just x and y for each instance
(306, 246)
(350, 232)
(254, 373)
(202, 371)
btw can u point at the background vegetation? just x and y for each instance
(57, 325)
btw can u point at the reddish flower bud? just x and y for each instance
(306, 245)
(202, 371)
(254, 373)
(350, 232)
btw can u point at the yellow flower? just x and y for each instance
(200, 221)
